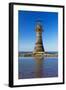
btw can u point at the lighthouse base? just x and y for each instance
(38, 54)
(39, 49)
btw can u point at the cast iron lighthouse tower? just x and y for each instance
(39, 49)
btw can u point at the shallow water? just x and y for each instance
(31, 67)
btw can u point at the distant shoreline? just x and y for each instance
(30, 54)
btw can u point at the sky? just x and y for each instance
(26, 30)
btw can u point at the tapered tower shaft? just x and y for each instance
(39, 44)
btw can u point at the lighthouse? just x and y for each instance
(39, 49)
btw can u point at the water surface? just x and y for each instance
(31, 67)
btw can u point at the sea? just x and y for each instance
(37, 67)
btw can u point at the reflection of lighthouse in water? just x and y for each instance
(39, 44)
(39, 67)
